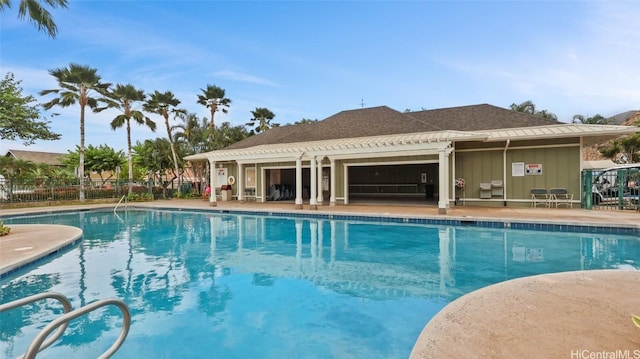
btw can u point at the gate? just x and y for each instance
(611, 189)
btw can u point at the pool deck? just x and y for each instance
(552, 315)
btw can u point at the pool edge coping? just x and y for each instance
(74, 237)
(472, 221)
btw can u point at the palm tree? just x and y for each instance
(595, 120)
(37, 13)
(228, 134)
(39, 176)
(123, 98)
(76, 84)
(529, 108)
(261, 119)
(163, 104)
(213, 98)
(193, 132)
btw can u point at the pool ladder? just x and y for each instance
(61, 323)
(120, 201)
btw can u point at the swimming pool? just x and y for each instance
(247, 286)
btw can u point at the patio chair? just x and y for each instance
(485, 190)
(560, 197)
(539, 196)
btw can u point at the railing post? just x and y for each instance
(66, 304)
(64, 320)
(587, 189)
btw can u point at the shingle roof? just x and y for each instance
(401, 143)
(423, 141)
(49, 158)
(380, 121)
(478, 118)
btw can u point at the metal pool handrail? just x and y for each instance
(36, 344)
(120, 201)
(66, 304)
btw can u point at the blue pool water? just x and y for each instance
(202, 285)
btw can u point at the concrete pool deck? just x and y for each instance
(28, 243)
(553, 315)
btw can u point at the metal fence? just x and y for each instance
(615, 189)
(16, 192)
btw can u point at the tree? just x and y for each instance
(308, 120)
(40, 16)
(123, 98)
(19, 119)
(261, 119)
(228, 135)
(192, 132)
(62, 176)
(192, 135)
(626, 149)
(99, 159)
(77, 83)
(529, 108)
(595, 120)
(164, 104)
(15, 169)
(39, 176)
(156, 157)
(213, 98)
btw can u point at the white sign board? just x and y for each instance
(221, 177)
(517, 169)
(533, 169)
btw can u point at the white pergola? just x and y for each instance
(438, 143)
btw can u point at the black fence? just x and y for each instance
(16, 192)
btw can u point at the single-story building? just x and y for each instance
(478, 154)
(37, 157)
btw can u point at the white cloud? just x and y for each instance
(237, 76)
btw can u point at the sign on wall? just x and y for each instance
(221, 177)
(250, 176)
(533, 169)
(517, 169)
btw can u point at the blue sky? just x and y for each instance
(312, 59)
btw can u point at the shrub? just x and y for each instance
(4, 230)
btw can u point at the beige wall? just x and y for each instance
(476, 164)
(560, 169)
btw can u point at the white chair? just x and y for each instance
(561, 197)
(539, 196)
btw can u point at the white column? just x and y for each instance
(345, 184)
(442, 180)
(320, 187)
(332, 184)
(240, 182)
(213, 179)
(313, 204)
(298, 202)
(447, 183)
